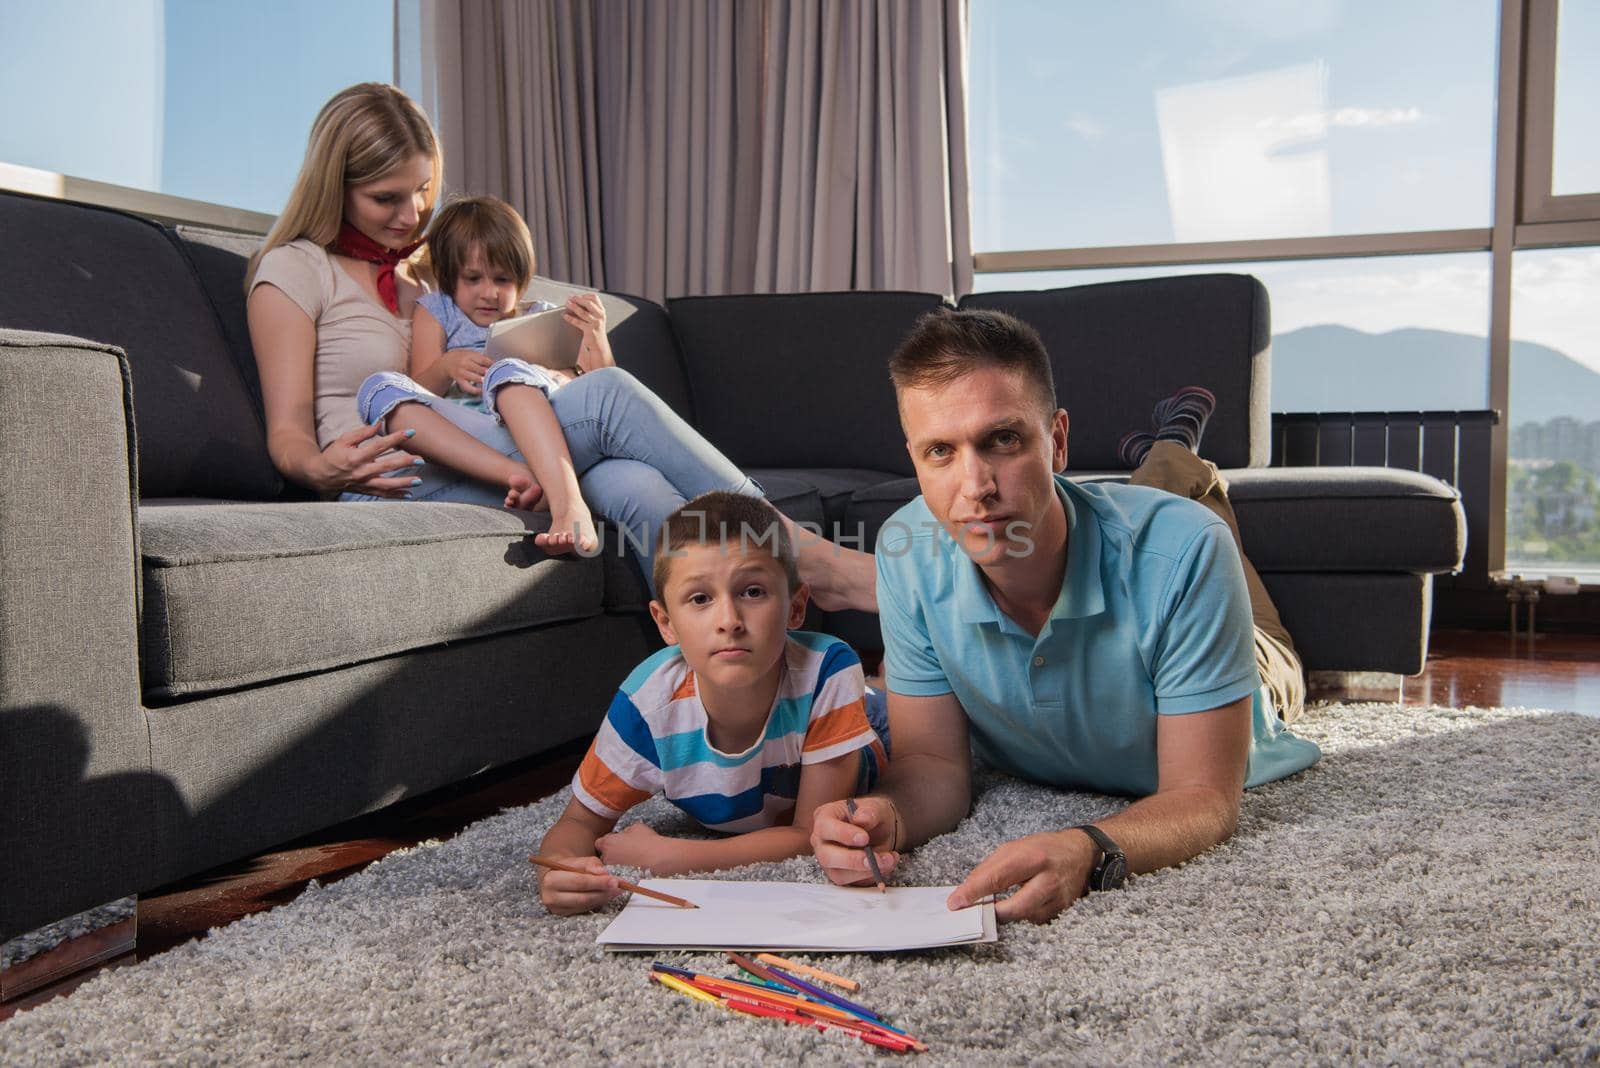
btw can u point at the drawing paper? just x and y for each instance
(795, 916)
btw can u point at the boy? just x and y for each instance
(743, 724)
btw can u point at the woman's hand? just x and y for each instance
(637, 846)
(466, 368)
(586, 312)
(364, 461)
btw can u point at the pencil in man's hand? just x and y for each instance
(545, 862)
(872, 858)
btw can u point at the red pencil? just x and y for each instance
(876, 1038)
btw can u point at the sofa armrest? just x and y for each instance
(74, 748)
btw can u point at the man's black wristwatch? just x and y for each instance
(1112, 869)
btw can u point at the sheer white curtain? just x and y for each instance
(716, 146)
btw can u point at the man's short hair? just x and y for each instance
(947, 344)
(733, 521)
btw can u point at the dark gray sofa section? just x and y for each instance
(197, 662)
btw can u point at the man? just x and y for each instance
(1095, 637)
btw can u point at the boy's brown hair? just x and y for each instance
(492, 225)
(948, 344)
(725, 519)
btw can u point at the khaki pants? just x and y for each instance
(1173, 468)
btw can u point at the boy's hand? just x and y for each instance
(637, 846)
(567, 894)
(837, 839)
(467, 368)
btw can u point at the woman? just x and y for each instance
(330, 300)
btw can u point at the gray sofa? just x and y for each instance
(197, 661)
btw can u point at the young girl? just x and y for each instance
(483, 259)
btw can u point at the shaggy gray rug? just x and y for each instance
(1425, 894)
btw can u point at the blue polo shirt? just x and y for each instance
(1153, 619)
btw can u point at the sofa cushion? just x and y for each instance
(833, 487)
(109, 277)
(1305, 519)
(821, 354)
(1118, 348)
(236, 594)
(1312, 519)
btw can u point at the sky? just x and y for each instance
(208, 99)
(1235, 119)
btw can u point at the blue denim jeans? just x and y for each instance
(637, 461)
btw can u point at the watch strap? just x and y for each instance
(1101, 878)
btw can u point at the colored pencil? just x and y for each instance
(753, 1008)
(545, 862)
(817, 1014)
(807, 970)
(837, 1003)
(872, 858)
(683, 988)
(817, 992)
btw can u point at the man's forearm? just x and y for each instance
(930, 794)
(1169, 828)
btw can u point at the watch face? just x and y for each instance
(1114, 872)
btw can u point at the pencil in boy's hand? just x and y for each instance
(872, 858)
(545, 862)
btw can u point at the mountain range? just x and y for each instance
(1337, 368)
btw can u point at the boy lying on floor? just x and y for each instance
(742, 723)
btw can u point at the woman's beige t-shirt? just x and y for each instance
(356, 336)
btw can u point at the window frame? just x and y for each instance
(1525, 216)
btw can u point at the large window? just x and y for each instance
(200, 99)
(1361, 158)
(1148, 123)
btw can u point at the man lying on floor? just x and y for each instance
(1094, 637)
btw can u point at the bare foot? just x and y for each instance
(555, 542)
(839, 578)
(523, 492)
(576, 527)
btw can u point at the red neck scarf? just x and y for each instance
(358, 246)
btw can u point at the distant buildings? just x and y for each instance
(1562, 438)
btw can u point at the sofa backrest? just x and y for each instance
(753, 359)
(111, 277)
(1119, 347)
(643, 342)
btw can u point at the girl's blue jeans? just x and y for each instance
(637, 460)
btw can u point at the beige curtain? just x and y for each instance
(673, 147)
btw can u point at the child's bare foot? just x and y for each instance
(523, 492)
(573, 529)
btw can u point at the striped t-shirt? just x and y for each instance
(653, 740)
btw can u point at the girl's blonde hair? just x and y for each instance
(491, 224)
(360, 135)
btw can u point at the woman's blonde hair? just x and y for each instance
(491, 224)
(360, 135)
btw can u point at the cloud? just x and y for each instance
(1316, 123)
(1084, 126)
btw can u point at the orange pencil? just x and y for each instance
(807, 970)
(544, 862)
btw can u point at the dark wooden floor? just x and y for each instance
(1465, 668)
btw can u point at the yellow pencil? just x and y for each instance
(683, 988)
